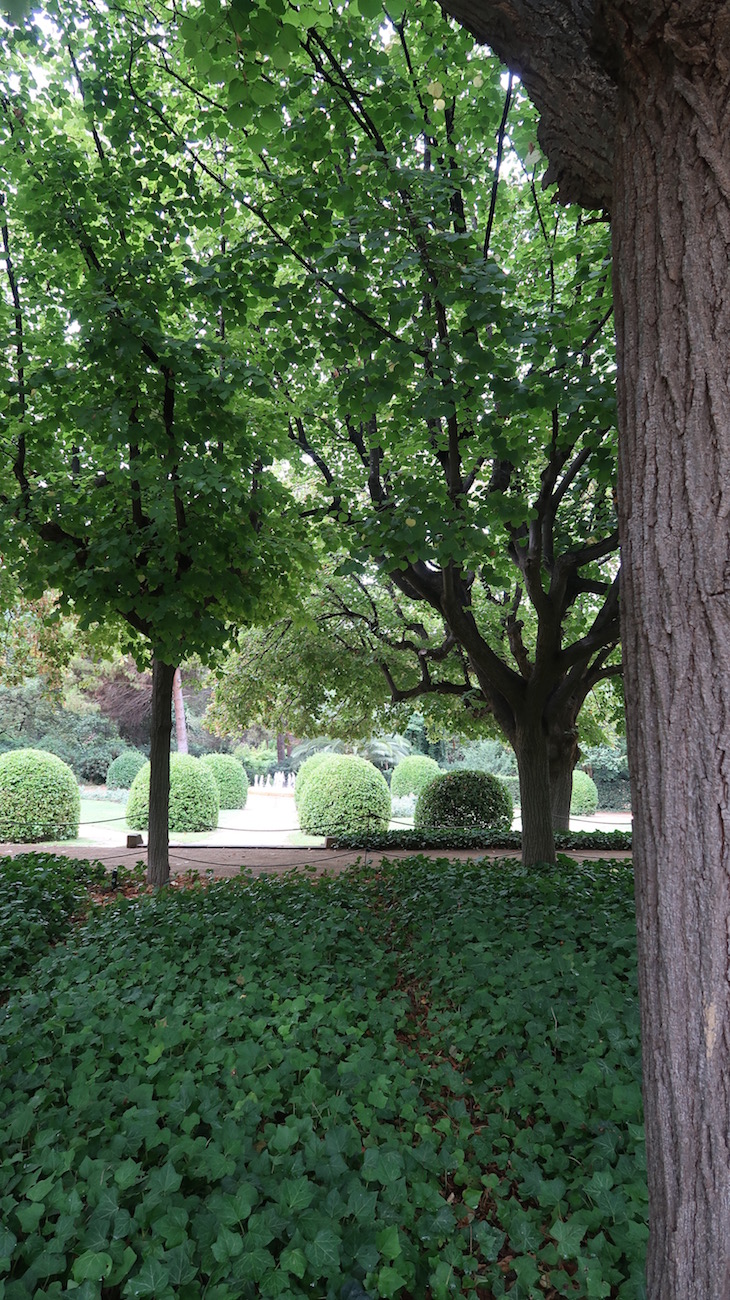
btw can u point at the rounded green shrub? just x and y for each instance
(123, 770)
(464, 799)
(345, 795)
(307, 770)
(194, 801)
(584, 798)
(39, 798)
(412, 774)
(231, 779)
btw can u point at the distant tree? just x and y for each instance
(133, 484)
(450, 367)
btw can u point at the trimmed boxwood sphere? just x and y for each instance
(39, 798)
(584, 797)
(194, 801)
(308, 768)
(344, 796)
(123, 770)
(412, 774)
(464, 799)
(231, 779)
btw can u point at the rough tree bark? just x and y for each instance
(563, 754)
(670, 200)
(672, 246)
(531, 752)
(158, 846)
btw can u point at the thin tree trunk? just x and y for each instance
(672, 250)
(158, 848)
(531, 751)
(181, 730)
(280, 747)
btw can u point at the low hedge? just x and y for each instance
(584, 796)
(39, 798)
(479, 839)
(230, 777)
(464, 799)
(194, 799)
(345, 795)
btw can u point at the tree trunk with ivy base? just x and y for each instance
(670, 200)
(531, 751)
(672, 250)
(158, 849)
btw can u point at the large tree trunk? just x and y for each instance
(672, 249)
(158, 847)
(561, 790)
(181, 730)
(531, 752)
(563, 755)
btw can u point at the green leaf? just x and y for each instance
(390, 1281)
(568, 1236)
(324, 1252)
(293, 1260)
(163, 1182)
(8, 1241)
(152, 1279)
(92, 1266)
(296, 1194)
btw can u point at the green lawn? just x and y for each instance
(421, 1080)
(100, 815)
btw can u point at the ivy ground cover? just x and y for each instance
(420, 1081)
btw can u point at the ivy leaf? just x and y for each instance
(296, 1194)
(92, 1266)
(324, 1252)
(390, 1282)
(8, 1241)
(293, 1260)
(568, 1235)
(153, 1278)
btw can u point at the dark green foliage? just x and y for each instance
(484, 756)
(124, 769)
(462, 799)
(39, 798)
(478, 839)
(194, 801)
(609, 768)
(584, 796)
(86, 740)
(412, 774)
(400, 1082)
(39, 893)
(230, 777)
(259, 761)
(344, 794)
